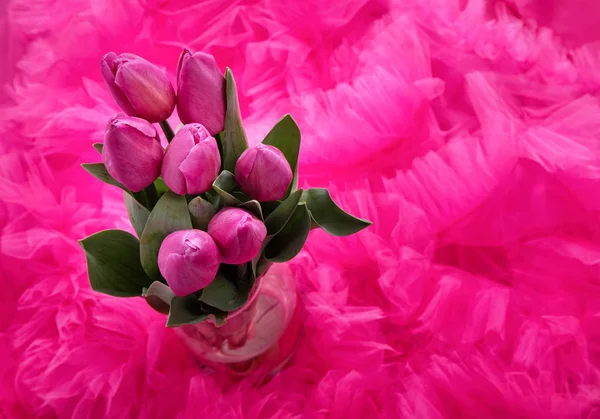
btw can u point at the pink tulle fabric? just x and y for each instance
(467, 130)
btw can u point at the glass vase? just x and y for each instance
(261, 335)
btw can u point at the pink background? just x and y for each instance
(468, 131)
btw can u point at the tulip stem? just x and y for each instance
(167, 130)
(151, 196)
(141, 198)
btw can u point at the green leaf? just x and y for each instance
(219, 139)
(269, 206)
(185, 310)
(225, 181)
(170, 214)
(220, 318)
(223, 185)
(98, 147)
(262, 265)
(243, 278)
(113, 261)
(214, 198)
(254, 208)
(160, 186)
(233, 139)
(150, 195)
(223, 294)
(159, 296)
(98, 170)
(190, 310)
(281, 215)
(331, 218)
(288, 243)
(285, 135)
(138, 214)
(201, 212)
(240, 196)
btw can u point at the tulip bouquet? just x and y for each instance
(211, 215)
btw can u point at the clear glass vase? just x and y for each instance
(262, 335)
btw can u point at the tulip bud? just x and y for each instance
(188, 260)
(263, 173)
(200, 91)
(139, 87)
(192, 161)
(132, 152)
(201, 212)
(238, 234)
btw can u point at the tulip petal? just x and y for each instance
(201, 166)
(185, 55)
(139, 125)
(175, 154)
(106, 68)
(189, 260)
(131, 155)
(263, 173)
(192, 161)
(201, 91)
(238, 234)
(147, 88)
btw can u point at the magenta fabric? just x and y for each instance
(468, 131)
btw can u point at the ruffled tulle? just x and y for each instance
(466, 130)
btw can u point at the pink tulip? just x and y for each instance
(238, 234)
(263, 173)
(200, 91)
(139, 87)
(188, 260)
(192, 161)
(132, 152)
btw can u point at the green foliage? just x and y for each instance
(113, 262)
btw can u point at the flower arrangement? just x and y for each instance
(211, 215)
